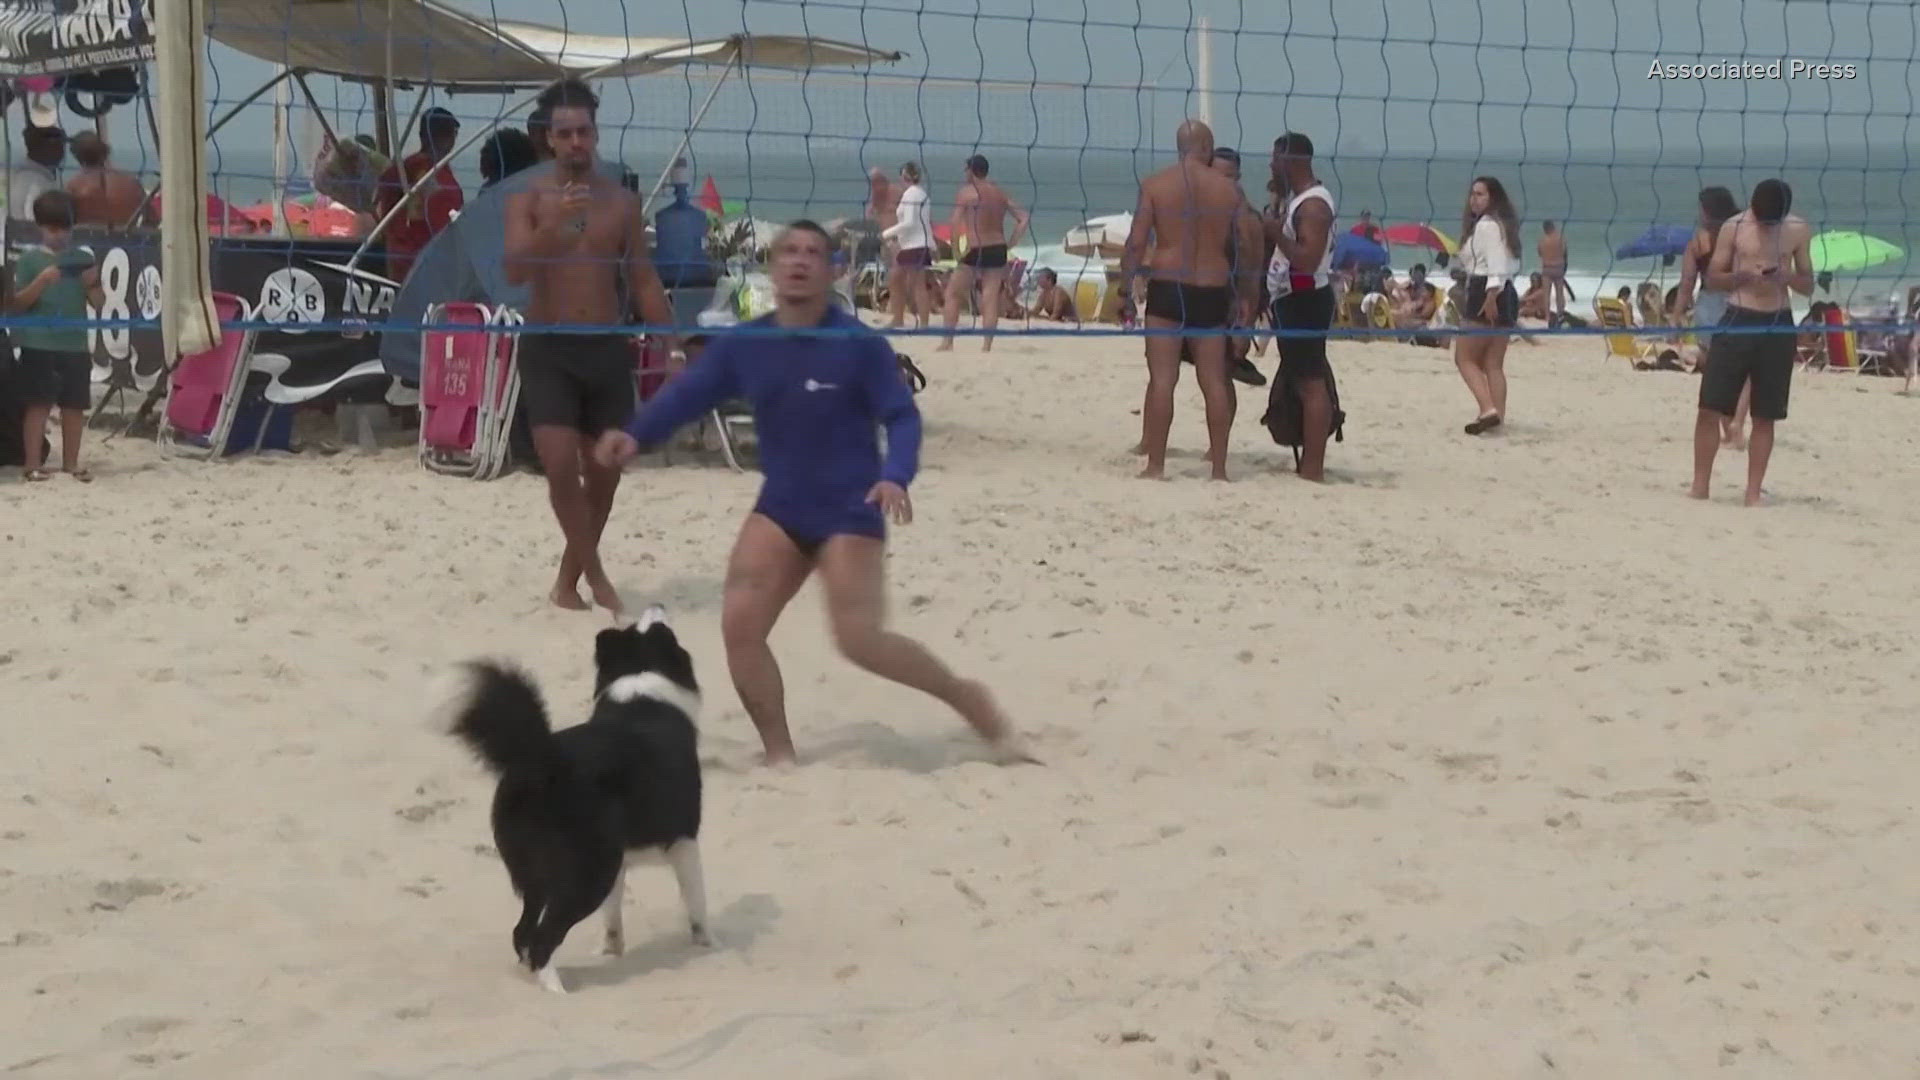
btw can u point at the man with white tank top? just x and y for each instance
(1302, 291)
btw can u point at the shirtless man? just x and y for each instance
(1761, 254)
(572, 236)
(882, 201)
(102, 194)
(1188, 231)
(1552, 250)
(980, 215)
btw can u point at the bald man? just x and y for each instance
(1189, 230)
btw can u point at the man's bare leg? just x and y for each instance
(1733, 430)
(1156, 413)
(1216, 389)
(763, 574)
(991, 282)
(560, 450)
(959, 285)
(599, 483)
(1706, 445)
(1316, 424)
(853, 573)
(1759, 452)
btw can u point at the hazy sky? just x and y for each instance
(1450, 79)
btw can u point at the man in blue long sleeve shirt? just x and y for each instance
(817, 399)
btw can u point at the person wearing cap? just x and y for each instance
(39, 173)
(102, 194)
(425, 213)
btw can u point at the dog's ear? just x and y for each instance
(609, 643)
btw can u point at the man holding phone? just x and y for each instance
(574, 236)
(1761, 254)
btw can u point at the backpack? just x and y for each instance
(915, 378)
(1284, 421)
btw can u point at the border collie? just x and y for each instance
(574, 807)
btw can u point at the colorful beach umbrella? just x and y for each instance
(1846, 252)
(1422, 235)
(1658, 242)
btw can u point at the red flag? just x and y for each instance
(710, 197)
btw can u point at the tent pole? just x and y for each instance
(300, 80)
(687, 139)
(146, 97)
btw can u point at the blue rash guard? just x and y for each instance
(818, 402)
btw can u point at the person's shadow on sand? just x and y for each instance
(735, 929)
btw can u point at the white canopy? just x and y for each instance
(435, 45)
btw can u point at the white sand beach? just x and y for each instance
(1494, 758)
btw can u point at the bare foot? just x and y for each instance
(604, 594)
(983, 713)
(1153, 472)
(780, 760)
(566, 597)
(945, 346)
(1139, 448)
(1697, 491)
(1755, 498)
(1220, 474)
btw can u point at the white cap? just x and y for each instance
(43, 110)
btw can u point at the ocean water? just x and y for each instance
(1599, 205)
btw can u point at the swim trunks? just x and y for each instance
(1303, 357)
(1198, 306)
(579, 381)
(1765, 359)
(990, 257)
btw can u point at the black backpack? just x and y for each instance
(1284, 421)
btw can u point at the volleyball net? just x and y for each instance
(1607, 120)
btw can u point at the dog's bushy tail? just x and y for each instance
(497, 711)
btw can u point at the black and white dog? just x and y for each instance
(574, 806)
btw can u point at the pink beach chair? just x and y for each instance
(203, 391)
(469, 388)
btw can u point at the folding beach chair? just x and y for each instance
(469, 389)
(204, 389)
(1614, 314)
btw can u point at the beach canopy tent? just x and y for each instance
(423, 43)
(416, 43)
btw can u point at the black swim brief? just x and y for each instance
(1765, 359)
(1196, 306)
(989, 257)
(579, 381)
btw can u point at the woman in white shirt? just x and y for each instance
(1490, 255)
(913, 235)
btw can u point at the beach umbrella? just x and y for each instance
(1099, 238)
(1354, 252)
(1422, 235)
(1658, 242)
(1846, 252)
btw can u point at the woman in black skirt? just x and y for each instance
(1490, 255)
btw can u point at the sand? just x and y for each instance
(1494, 758)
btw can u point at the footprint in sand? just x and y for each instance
(116, 895)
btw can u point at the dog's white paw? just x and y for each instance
(549, 977)
(613, 945)
(702, 937)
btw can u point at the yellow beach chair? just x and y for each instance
(1613, 314)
